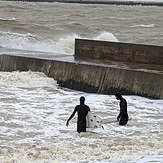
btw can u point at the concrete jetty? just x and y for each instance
(88, 71)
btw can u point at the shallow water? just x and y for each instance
(34, 110)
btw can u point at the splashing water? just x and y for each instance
(64, 45)
(33, 114)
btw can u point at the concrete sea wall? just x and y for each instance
(116, 51)
(85, 75)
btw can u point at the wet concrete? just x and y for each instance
(77, 60)
(119, 51)
(89, 75)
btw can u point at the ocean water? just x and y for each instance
(34, 109)
(53, 27)
(33, 115)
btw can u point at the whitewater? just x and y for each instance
(34, 109)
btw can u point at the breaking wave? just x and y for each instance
(64, 45)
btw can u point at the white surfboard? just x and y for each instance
(93, 120)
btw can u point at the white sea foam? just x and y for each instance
(106, 36)
(145, 26)
(28, 42)
(34, 111)
(65, 45)
(10, 19)
(68, 42)
(25, 79)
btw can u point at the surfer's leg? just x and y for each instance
(81, 126)
(123, 121)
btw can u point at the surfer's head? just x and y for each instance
(118, 96)
(82, 100)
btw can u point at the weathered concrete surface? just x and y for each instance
(96, 76)
(117, 51)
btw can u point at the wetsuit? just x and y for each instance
(82, 111)
(123, 115)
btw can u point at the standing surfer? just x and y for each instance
(82, 110)
(123, 115)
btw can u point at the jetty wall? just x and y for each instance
(87, 76)
(116, 51)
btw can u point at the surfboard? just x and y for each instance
(93, 120)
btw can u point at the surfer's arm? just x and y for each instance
(120, 113)
(118, 116)
(71, 117)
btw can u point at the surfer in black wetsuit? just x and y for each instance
(82, 110)
(123, 115)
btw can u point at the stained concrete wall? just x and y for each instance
(116, 51)
(89, 77)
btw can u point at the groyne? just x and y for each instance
(121, 52)
(90, 74)
(109, 2)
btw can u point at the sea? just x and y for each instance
(34, 108)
